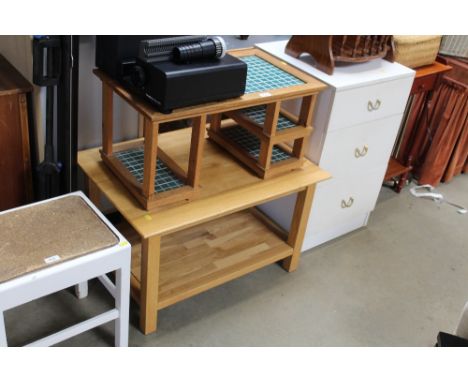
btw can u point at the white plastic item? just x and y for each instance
(435, 196)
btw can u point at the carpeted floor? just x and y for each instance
(395, 283)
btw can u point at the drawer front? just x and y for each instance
(338, 200)
(349, 151)
(355, 106)
(423, 84)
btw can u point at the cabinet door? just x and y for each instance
(15, 172)
(369, 103)
(350, 151)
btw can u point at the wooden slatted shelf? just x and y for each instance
(207, 255)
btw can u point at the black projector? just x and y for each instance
(171, 85)
(150, 69)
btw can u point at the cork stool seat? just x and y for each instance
(48, 246)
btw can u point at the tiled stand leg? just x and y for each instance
(196, 150)
(151, 153)
(269, 128)
(107, 118)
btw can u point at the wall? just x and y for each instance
(18, 50)
(89, 103)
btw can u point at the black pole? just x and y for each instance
(67, 100)
(74, 113)
(46, 51)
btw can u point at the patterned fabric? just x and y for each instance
(251, 144)
(133, 160)
(261, 76)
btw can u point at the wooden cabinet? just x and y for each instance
(408, 145)
(15, 164)
(355, 126)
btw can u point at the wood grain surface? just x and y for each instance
(209, 254)
(225, 187)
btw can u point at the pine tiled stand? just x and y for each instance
(151, 175)
(155, 179)
(257, 135)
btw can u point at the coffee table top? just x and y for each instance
(225, 186)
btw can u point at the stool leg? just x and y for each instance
(81, 290)
(3, 338)
(122, 303)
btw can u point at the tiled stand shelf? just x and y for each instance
(155, 179)
(133, 161)
(259, 140)
(171, 183)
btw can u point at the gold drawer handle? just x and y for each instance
(347, 204)
(373, 106)
(361, 153)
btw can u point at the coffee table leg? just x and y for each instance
(3, 338)
(298, 226)
(149, 284)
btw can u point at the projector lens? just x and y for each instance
(214, 47)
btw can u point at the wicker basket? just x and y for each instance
(415, 51)
(454, 46)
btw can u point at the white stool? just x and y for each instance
(69, 242)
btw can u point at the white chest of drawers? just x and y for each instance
(355, 125)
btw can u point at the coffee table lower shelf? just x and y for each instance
(207, 255)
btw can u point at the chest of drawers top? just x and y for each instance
(345, 77)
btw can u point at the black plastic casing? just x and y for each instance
(170, 85)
